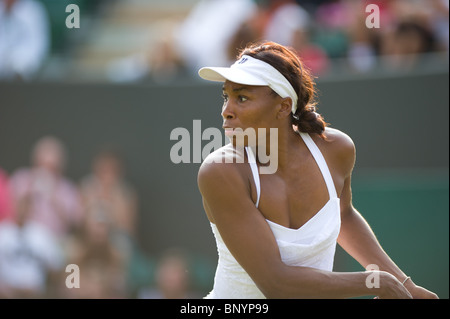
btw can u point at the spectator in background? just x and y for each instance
(107, 190)
(102, 266)
(201, 38)
(282, 21)
(5, 197)
(54, 200)
(313, 56)
(288, 23)
(409, 41)
(285, 19)
(24, 38)
(440, 23)
(409, 35)
(363, 46)
(171, 277)
(30, 256)
(331, 25)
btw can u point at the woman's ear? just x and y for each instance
(285, 108)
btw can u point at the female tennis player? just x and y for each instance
(276, 234)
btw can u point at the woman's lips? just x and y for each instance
(229, 131)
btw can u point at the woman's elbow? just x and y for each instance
(278, 286)
(294, 282)
(272, 290)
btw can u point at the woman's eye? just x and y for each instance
(225, 97)
(242, 98)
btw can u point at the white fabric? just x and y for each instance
(285, 22)
(24, 38)
(321, 163)
(312, 245)
(204, 36)
(254, 168)
(250, 71)
(26, 254)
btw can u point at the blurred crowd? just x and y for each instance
(48, 222)
(321, 31)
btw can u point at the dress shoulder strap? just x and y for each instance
(320, 160)
(254, 167)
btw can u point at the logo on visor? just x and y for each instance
(243, 60)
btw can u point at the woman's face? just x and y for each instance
(249, 107)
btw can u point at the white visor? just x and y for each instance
(251, 71)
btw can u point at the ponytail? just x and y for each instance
(309, 121)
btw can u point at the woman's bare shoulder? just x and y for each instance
(221, 166)
(339, 140)
(339, 147)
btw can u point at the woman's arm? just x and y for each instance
(228, 204)
(358, 239)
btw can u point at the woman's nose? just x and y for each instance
(227, 111)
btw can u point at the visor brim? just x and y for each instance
(221, 74)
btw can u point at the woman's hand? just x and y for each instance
(418, 292)
(392, 288)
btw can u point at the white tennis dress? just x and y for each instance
(312, 245)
